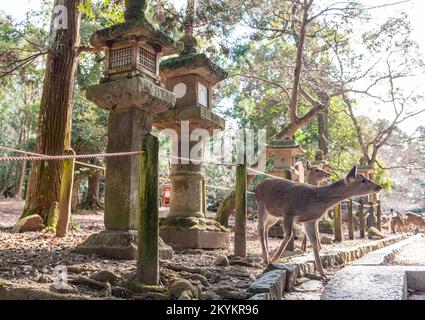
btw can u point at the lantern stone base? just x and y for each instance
(119, 245)
(194, 233)
(277, 231)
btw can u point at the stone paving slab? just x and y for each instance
(370, 279)
(385, 255)
(366, 283)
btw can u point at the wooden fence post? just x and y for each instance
(350, 220)
(361, 220)
(204, 196)
(371, 217)
(241, 206)
(148, 226)
(379, 216)
(338, 223)
(65, 197)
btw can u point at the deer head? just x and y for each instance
(315, 174)
(359, 184)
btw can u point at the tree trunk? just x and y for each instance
(323, 126)
(18, 193)
(6, 179)
(228, 206)
(54, 126)
(92, 199)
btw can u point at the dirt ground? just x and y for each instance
(31, 258)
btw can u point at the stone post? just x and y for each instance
(241, 206)
(338, 223)
(132, 92)
(350, 220)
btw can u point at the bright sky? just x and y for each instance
(414, 8)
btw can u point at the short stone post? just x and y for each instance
(204, 196)
(148, 226)
(379, 216)
(338, 223)
(241, 206)
(361, 220)
(67, 182)
(350, 220)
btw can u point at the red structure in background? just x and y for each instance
(166, 195)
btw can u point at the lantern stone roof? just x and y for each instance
(286, 144)
(138, 30)
(193, 63)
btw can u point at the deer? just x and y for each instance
(281, 198)
(316, 175)
(398, 223)
(415, 220)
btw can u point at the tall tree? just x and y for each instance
(54, 126)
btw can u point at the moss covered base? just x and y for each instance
(120, 245)
(194, 233)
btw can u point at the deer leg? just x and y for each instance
(262, 232)
(288, 227)
(310, 228)
(317, 237)
(268, 224)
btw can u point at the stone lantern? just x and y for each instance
(320, 161)
(284, 153)
(191, 76)
(132, 92)
(369, 172)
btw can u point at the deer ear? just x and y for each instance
(351, 176)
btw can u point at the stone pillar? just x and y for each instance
(132, 92)
(186, 194)
(125, 129)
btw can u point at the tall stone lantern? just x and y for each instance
(191, 76)
(132, 92)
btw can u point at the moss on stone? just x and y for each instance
(194, 60)
(191, 223)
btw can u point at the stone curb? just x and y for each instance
(265, 289)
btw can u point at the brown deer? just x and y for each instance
(415, 220)
(279, 198)
(399, 223)
(315, 176)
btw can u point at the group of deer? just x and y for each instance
(307, 203)
(405, 222)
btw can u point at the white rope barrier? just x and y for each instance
(266, 174)
(200, 161)
(66, 157)
(38, 154)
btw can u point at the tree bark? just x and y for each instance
(18, 193)
(54, 126)
(323, 126)
(92, 199)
